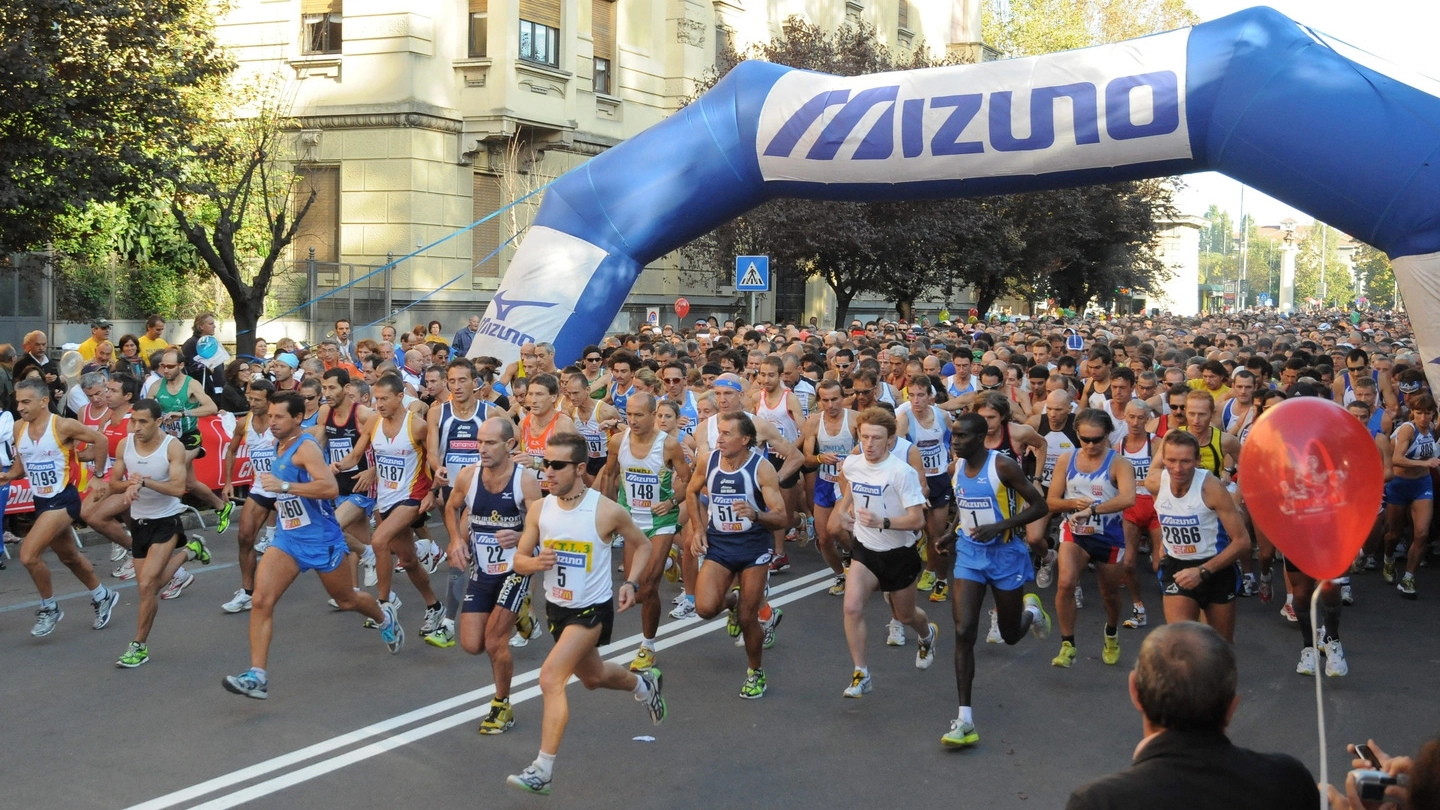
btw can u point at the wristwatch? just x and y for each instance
(1205, 574)
(285, 488)
(887, 523)
(634, 586)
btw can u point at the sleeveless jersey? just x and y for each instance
(400, 471)
(804, 391)
(302, 519)
(691, 412)
(340, 439)
(459, 440)
(982, 499)
(532, 442)
(312, 420)
(955, 390)
(1349, 395)
(1212, 458)
(1421, 448)
(1056, 442)
(1098, 487)
(840, 444)
(934, 441)
(1189, 529)
(597, 441)
(150, 504)
(645, 481)
(1376, 425)
(1140, 460)
(581, 576)
(261, 449)
(489, 513)
(49, 467)
(727, 488)
(712, 428)
(620, 400)
(779, 416)
(1228, 417)
(90, 418)
(114, 432)
(175, 403)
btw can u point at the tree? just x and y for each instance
(1318, 249)
(1033, 27)
(1373, 268)
(101, 98)
(1219, 252)
(239, 200)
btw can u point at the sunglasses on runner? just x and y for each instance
(1092, 439)
(552, 464)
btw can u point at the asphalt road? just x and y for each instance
(349, 725)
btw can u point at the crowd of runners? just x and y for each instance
(932, 464)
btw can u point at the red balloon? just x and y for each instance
(682, 307)
(1312, 481)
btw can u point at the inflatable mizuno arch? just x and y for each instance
(1311, 121)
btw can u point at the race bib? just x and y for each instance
(490, 558)
(932, 456)
(572, 560)
(261, 460)
(291, 512)
(339, 448)
(390, 471)
(974, 512)
(1181, 535)
(641, 488)
(595, 444)
(44, 478)
(722, 514)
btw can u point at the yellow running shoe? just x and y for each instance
(1111, 655)
(1066, 656)
(672, 566)
(500, 719)
(941, 591)
(927, 581)
(960, 735)
(644, 659)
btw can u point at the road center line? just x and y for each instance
(692, 628)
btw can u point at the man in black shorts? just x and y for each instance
(182, 402)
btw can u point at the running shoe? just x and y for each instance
(1248, 585)
(500, 719)
(644, 659)
(436, 560)
(1388, 571)
(1307, 662)
(776, 614)
(654, 700)
(994, 637)
(126, 571)
(432, 619)
(960, 735)
(1267, 588)
(732, 616)
(117, 552)
(443, 637)
(1370, 563)
(530, 780)
(176, 586)
(780, 564)
(927, 581)
(393, 634)
(527, 627)
(367, 570)
(105, 607)
(1347, 596)
(859, 685)
(838, 589)
(672, 566)
(1111, 653)
(262, 543)
(1045, 572)
(895, 636)
(45, 621)
(247, 683)
(925, 651)
(791, 535)
(1407, 586)
(754, 686)
(1137, 618)
(941, 591)
(222, 518)
(1079, 597)
(1040, 627)
(1289, 613)
(684, 609)
(810, 536)
(238, 603)
(135, 655)
(1335, 665)
(1066, 656)
(197, 550)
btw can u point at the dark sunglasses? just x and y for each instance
(551, 464)
(673, 379)
(593, 359)
(1092, 439)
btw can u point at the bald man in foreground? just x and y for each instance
(1184, 686)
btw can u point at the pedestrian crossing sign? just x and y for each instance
(752, 273)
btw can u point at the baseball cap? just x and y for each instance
(101, 323)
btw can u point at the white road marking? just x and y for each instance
(693, 629)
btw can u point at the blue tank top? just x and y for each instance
(1422, 447)
(620, 400)
(489, 513)
(726, 490)
(1098, 487)
(1377, 422)
(304, 520)
(459, 439)
(688, 410)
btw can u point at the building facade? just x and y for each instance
(418, 119)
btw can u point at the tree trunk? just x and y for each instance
(842, 307)
(984, 301)
(247, 317)
(906, 308)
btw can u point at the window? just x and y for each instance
(903, 15)
(602, 31)
(540, 31)
(724, 48)
(320, 229)
(479, 27)
(486, 235)
(320, 26)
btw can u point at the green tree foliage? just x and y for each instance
(1318, 249)
(101, 98)
(1033, 27)
(1373, 268)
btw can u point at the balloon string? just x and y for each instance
(1319, 700)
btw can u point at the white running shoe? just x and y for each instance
(1289, 613)
(239, 603)
(176, 586)
(994, 637)
(859, 685)
(1307, 662)
(684, 609)
(367, 569)
(1347, 597)
(896, 634)
(117, 552)
(1335, 666)
(1079, 597)
(126, 571)
(1045, 574)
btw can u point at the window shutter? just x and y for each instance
(309, 7)
(544, 12)
(320, 228)
(479, 6)
(904, 14)
(602, 28)
(486, 235)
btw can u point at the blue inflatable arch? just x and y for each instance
(1328, 129)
